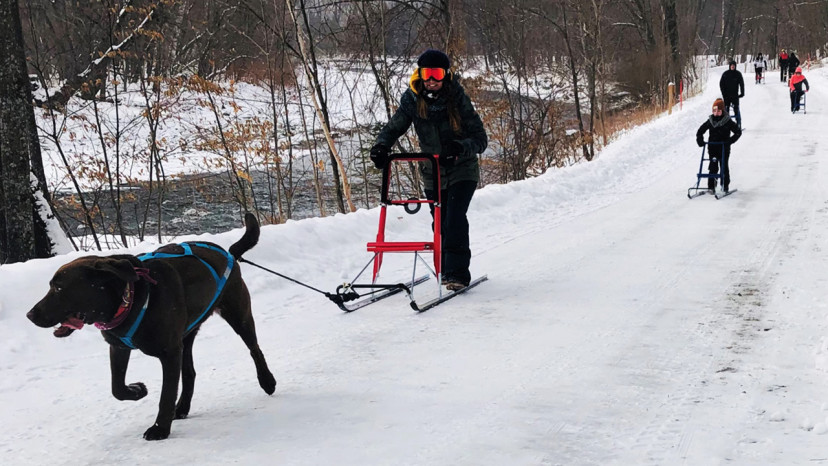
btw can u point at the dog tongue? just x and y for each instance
(68, 326)
(63, 331)
(73, 323)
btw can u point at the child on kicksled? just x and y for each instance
(795, 85)
(722, 130)
(759, 65)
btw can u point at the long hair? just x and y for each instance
(451, 105)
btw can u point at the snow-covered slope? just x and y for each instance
(621, 324)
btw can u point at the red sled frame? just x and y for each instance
(347, 291)
(381, 246)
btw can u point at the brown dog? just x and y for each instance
(156, 303)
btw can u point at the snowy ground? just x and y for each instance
(621, 324)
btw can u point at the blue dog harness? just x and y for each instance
(220, 282)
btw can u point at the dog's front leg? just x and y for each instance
(118, 363)
(171, 368)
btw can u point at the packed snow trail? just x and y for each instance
(621, 324)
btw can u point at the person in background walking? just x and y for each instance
(783, 65)
(722, 130)
(759, 65)
(795, 85)
(793, 64)
(446, 123)
(733, 88)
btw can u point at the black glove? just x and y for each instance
(379, 155)
(700, 142)
(451, 152)
(741, 95)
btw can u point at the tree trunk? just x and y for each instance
(640, 10)
(671, 21)
(22, 232)
(380, 75)
(343, 188)
(575, 90)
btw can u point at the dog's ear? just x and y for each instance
(121, 268)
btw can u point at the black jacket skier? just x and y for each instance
(732, 84)
(446, 123)
(783, 64)
(733, 87)
(722, 130)
(793, 63)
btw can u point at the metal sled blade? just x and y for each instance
(722, 194)
(388, 290)
(699, 192)
(446, 296)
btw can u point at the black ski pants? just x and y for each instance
(456, 254)
(783, 68)
(719, 156)
(731, 101)
(796, 97)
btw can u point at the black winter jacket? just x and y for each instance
(435, 132)
(793, 62)
(732, 85)
(720, 131)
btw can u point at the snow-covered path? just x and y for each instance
(621, 324)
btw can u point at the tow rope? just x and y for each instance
(335, 297)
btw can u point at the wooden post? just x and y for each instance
(671, 87)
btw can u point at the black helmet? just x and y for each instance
(732, 62)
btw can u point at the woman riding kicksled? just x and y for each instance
(446, 123)
(722, 130)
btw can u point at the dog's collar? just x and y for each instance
(126, 302)
(123, 310)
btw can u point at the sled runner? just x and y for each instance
(348, 292)
(696, 191)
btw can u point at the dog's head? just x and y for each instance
(84, 291)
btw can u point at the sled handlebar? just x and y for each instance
(408, 157)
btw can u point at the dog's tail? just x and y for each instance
(249, 239)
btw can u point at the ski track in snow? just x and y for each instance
(621, 324)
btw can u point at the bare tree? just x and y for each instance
(310, 66)
(22, 231)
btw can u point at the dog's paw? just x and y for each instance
(138, 389)
(132, 392)
(157, 432)
(182, 410)
(268, 383)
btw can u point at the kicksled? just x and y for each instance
(697, 190)
(355, 295)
